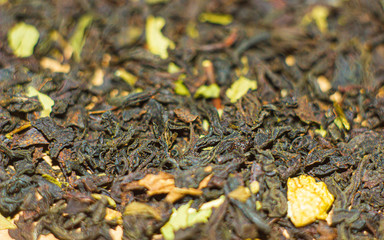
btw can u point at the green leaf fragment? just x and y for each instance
(22, 38)
(319, 15)
(6, 223)
(126, 76)
(341, 121)
(216, 18)
(180, 88)
(157, 42)
(173, 68)
(54, 180)
(77, 40)
(210, 91)
(322, 132)
(192, 30)
(240, 87)
(45, 101)
(182, 218)
(110, 200)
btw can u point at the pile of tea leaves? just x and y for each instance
(191, 119)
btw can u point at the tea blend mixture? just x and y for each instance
(191, 119)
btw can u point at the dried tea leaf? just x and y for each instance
(22, 38)
(137, 208)
(239, 88)
(77, 41)
(157, 42)
(184, 217)
(216, 18)
(185, 115)
(319, 15)
(6, 223)
(45, 100)
(305, 112)
(308, 200)
(126, 76)
(210, 91)
(241, 194)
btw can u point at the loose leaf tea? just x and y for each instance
(166, 119)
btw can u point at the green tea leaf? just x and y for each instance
(211, 91)
(6, 223)
(45, 101)
(157, 42)
(22, 38)
(240, 88)
(77, 40)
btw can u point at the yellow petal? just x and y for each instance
(240, 88)
(308, 200)
(22, 38)
(126, 76)
(319, 15)
(210, 91)
(45, 100)
(157, 42)
(6, 223)
(241, 194)
(77, 41)
(216, 18)
(184, 217)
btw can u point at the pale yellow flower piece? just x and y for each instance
(157, 42)
(308, 200)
